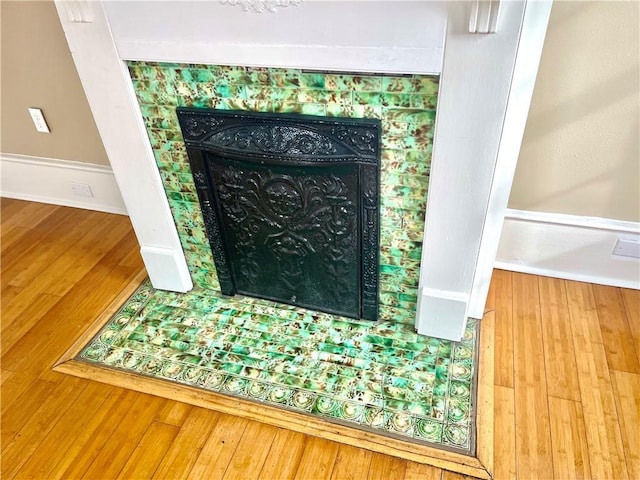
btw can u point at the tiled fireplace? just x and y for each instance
(378, 376)
(444, 186)
(405, 105)
(484, 54)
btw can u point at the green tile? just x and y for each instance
(335, 110)
(257, 92)
(280, 106)
(412, 116)
(423, 101)
(285, 79)
(258, 76)
(427, 85)
(367, 98)
(397, 100)
(418, 156)
(235, 75)
(233, 104)
(405, 105)
(325, 96)
(229, 91)
(313, 109)
(312, 80)
(358, 83)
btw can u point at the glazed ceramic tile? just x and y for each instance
(376, 375)
(406, 105)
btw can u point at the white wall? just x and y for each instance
(576, 190)
(580, 154)
(37, 71)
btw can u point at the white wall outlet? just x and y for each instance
(38, 120)
(627, 247)
(81, 189)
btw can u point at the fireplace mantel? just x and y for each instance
(486, 85)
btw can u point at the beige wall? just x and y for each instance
(37, 71)
(580, 152)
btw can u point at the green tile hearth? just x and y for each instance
(378, 376)
(406, 106)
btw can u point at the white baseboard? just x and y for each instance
(568, 246)
(49, 180)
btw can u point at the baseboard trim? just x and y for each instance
(568, 246)
(48, 180)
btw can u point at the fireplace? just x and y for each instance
(400, 108)
(290, 204)
(485, 52)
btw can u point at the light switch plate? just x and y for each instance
(38, 120)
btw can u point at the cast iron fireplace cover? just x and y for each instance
(290, 205)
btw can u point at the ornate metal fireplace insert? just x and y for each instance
(290, 204)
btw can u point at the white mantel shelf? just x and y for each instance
(486, 86)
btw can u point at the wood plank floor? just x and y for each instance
(565, 378)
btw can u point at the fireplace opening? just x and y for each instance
(290, 205)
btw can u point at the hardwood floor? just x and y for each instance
(564, 378)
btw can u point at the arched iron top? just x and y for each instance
(276, 135)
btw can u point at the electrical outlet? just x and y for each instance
(627, 247)
(81, 189)
(38, 120)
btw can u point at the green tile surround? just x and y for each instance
(380, 376)
(405, 104)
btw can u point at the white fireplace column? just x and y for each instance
(486, 52)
